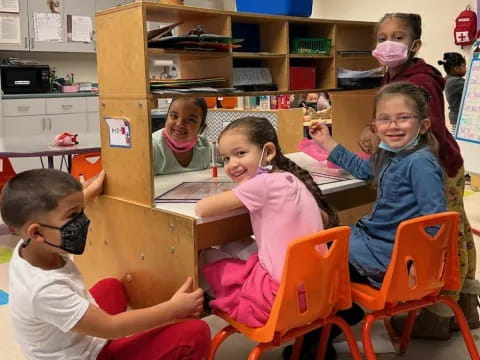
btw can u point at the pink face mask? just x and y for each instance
(179, 146)
(391, 53)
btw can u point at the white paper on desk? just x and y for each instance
(9, 6)
(82, 28)
(119, 132)
(10, 29)
(47, 27)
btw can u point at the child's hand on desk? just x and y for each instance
(93, 187)
(187, 304)
(321, 135)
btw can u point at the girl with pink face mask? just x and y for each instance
(180, 147)
(398, 41)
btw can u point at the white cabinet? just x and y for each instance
(72, 123)
(24, 126)
(46, 117)
(93, 115)
(67, 7)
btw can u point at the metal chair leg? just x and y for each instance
(218, 339)
(407, 331)
(463, 324)
(367, 337)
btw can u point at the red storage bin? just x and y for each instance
(302, 78)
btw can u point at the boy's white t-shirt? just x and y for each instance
(45, 305)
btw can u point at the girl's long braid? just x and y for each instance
(260, 131)
(284, 163)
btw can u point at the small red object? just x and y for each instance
(65, 139)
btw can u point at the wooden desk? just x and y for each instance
(163, 240)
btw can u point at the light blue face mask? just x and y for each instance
(411, 144)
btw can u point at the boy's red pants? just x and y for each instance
(186, 340)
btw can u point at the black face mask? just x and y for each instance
(73, 234)
(312, 104)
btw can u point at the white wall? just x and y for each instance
(438, 19)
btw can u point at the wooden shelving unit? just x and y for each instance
(154, 250)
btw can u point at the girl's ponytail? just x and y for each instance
(284, 163)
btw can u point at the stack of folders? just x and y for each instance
(163, 84)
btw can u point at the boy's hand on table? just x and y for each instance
(187, 304)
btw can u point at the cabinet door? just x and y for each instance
(93, 123)
(72, 123)
(80, 8)
(23, 18)
(67, 7)
(24, 126)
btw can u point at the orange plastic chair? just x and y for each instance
(322, 281)
(88, 165)
(421, 266)
(6, 171)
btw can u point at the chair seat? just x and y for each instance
(367, 296)
(262, 334)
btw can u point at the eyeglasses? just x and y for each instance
(401, 119)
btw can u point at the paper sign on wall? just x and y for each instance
(10, 29)
(9, 6)
(47, 27)
(119, 132)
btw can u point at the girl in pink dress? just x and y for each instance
(284, 204)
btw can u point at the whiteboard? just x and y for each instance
(468, 125)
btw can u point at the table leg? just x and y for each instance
(69, 163)
(50, 162)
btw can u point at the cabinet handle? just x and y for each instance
(32, 42)
(23, 107)
(26, 42)
(66, 107)
(49, 124)
(43, 124)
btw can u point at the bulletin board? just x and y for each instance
(468, 124)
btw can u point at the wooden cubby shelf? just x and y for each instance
(152, 249)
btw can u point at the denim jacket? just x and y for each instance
(409, 185)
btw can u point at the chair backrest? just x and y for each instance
(6, 171)
(312, 284)
(424, 259)
(88, 165)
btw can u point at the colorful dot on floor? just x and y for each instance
(5, 255)
(3, 298)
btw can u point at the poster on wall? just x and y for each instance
(9, 29)
(10, 6)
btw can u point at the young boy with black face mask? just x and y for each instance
(54, 316)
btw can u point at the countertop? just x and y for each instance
(48, 95)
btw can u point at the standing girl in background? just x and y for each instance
(398, 41)
(455, 66)
(180, 147)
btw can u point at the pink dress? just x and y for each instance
(281, 210)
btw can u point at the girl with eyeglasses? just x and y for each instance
(406, 174)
